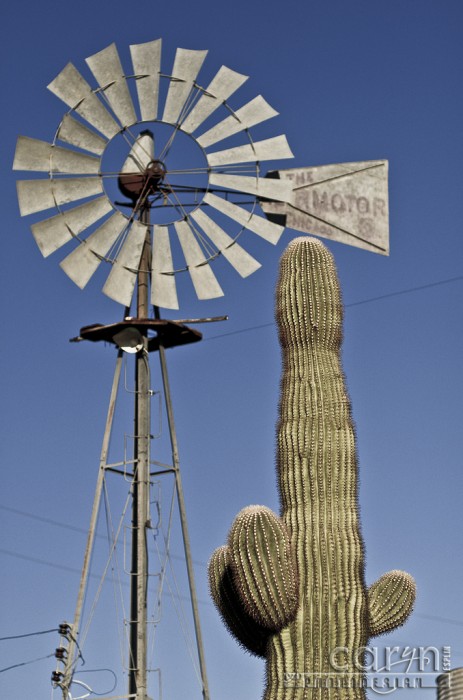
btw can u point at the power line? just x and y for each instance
(25, 663)
(72, 570)
(402, 292)
(41, 519)
(407, 291)
(80, 530)
(435, 618)
(36, 560)
(29, 634)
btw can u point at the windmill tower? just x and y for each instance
(127, 137)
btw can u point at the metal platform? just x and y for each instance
(169, 334)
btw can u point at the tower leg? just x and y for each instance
(73, 643)
(183, 521)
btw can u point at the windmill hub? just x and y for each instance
(138, 185)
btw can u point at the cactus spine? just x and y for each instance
(303, 582)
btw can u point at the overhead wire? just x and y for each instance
(436, 618)
(163, 557)
(48, 521)
(72, 570)
(162, 561)
(175, 594)
(370, 300)
(28, 634)
(98, 670)
(117, 582)
(44, 562)
(418, 288)
(80, 697)
(26, 663)
(105, 571)
(57, 523)
(178, 606)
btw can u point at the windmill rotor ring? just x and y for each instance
(127, 136)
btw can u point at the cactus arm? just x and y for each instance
(252, 636)
(390, 601)
(264, 567)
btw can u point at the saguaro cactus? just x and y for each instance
(291, 588)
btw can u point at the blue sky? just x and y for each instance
(352, 81)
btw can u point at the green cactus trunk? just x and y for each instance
(317, 470)
(292, 588)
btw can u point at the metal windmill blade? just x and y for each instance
(77, 175)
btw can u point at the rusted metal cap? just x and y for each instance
(142, 184)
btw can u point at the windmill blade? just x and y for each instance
(346, 202)
(83, 262)
(281, 190)
(269, 149)
(123, 276)
(241, 260)
(222, 86)
(40, 156)
(204, 280)
(264, 228)
(252, 113)
(187, 65)
(146, 60)
(74, 90)
(53, 233)
(163, 286)
(107, 68)
(38, 195)
(76, 134)
(141, 154)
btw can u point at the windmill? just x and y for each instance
(156, 139)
